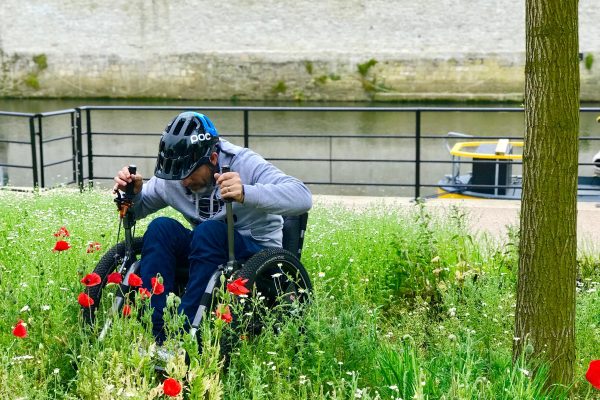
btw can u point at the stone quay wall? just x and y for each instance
(333, 50)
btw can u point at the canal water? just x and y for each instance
(350, 153)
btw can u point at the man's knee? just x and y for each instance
(162, 228)
(210, 231)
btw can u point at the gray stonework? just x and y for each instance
(274, 49)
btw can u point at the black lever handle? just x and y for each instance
(129, 189)
(229, 216)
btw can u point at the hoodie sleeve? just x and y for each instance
(268, 189)
(150, 199)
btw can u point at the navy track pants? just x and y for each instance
(175, 252)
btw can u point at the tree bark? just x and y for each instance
(545, 313)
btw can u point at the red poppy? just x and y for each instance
(144, 293)
(126, 310)
(134, 280)
(171, 387)
(62, 232)
(224, 313)
(157, 287)
(20, 330)
(115, 277)
(61, 245)
(84, 300)
(93, 246)
(238, 287)
(593, 374)
(92, 279)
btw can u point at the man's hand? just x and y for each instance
(124, 177)
(231, 186)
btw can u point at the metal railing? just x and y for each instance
(81, 134)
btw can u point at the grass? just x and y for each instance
(405, 306)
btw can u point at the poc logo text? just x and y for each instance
(200, 137)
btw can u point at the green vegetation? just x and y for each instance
(279, 88)
(41, 61)
(309, 67)
(322, 79)
(406, 305)
(32, 78)
(370, 84)
(299, 95)
(363, 69)
(589, 61)
(32, 81)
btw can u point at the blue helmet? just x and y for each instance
(186, 143)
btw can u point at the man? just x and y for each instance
(188, 178)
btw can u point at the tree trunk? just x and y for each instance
(545, 314)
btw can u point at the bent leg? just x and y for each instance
(166, 245)
(208, 250)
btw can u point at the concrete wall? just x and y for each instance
(274, 49)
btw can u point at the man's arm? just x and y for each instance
(150, 199)
(270, 190)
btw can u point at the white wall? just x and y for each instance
(254, 49)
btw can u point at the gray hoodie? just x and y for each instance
(268, 194)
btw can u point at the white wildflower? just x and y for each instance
(22, 358)
(525, 372)
(25, 308)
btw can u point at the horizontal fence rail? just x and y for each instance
(79, 145)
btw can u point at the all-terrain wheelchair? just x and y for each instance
(275, 276)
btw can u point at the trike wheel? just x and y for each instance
(109, 262)
(277, 278)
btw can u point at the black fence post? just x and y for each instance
(33, 151)
(88, 123)
(330, 159)
(73, 146)
(41, 136)
(79, 148)
(417, 154)
(246, 129)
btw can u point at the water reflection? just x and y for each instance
(349, 139)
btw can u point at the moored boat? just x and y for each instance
(491, 175)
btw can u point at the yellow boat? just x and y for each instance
(491, 176)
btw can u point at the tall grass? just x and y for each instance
(406, 306)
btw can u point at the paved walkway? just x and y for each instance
(484, 217)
